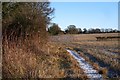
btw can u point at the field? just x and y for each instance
(103, 55)
(31, 60)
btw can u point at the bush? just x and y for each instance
(24, 34)
(54, 29)
(71, 29)
(25, 19)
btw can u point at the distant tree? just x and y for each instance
(110, 30)
(84, 30)
(115, 31)
(97, 30)
(71, 29)
(91, 30)
(102, 30)
(66, 31)
(79, 30)
(54, 29)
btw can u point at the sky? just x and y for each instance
(86, 14)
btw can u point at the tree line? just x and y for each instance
(54, 29)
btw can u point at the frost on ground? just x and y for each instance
(88, 69)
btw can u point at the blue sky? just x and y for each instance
(86, 14)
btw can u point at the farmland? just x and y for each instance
(103, 55)
(35, 46)
(29, 59)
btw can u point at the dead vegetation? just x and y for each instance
(29, 59)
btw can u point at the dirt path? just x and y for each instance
(88, 69)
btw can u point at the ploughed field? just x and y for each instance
(103, 55)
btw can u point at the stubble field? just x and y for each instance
(103, 55)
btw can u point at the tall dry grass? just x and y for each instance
(18, 60)
(30, 59)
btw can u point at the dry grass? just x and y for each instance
(88, 43)
(29, 59)
(67, 64)
(19, 61)
(106, 58)
(87, 39)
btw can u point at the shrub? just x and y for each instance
(25, 19)
(54, 29)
